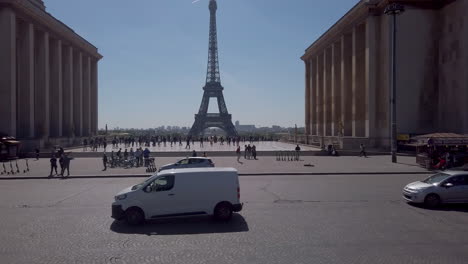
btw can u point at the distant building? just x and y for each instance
(48, 77)
(244, 128)
(348, 73)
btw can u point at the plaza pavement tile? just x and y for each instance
(265, 165)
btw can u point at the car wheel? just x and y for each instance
(432, 200)
(134, 216)
(223, 211)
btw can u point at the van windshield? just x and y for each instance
(134, 187)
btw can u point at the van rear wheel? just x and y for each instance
(134, 216)
(223, 211)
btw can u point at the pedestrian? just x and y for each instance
(104, 161)
(254, 152)
(53, 165)
(37, 154)
(66, 165)
(245, 151)
(363, 151)
(249, 151)
(125, 154)
(194, 153)
(204, 155)
(146, 155)
(238, 153)
(298, 150)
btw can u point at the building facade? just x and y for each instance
(48, 77)
(347, 91)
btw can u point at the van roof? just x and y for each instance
(191, 170)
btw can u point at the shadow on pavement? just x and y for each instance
(445, 207)
(183, 226)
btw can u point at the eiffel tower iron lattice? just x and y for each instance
(213, 89)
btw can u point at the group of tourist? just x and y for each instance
(63, 160)
(93, 144)
(139, 156)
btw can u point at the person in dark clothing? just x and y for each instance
(104, 161)
(37, 154)
(194, 153)
(66, 165)
(53, 165)
(363, 151)
(254, 152)
(298, 151)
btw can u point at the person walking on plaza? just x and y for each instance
(298, 150)
(254, 152)
(37, 154)
(194, 153)
(104, 161)
(53, 165)
(66, 165)
(125, 154)
(363, 151)
(245, 151)
(238, 153)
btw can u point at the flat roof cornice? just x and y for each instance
(358, 13)
(54, 25)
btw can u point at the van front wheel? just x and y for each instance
(223, 211)
(134, 216)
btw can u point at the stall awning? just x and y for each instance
(451, 139)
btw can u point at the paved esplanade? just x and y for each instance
(260, 145)
(289, 219)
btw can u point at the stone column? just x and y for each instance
(8, 71)
(371, 76)
(78, 94)
(346, 83)
(86, 96)
(42, 103)
(332, 90)
(56, 93)
(360, 80)
(67, 89)
(25, 81)
(354, 82)
(337, 95)
(319, 94)
(307, 97)
(94, 88)
(325, 92)
(313, 96)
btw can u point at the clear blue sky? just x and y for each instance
(155, 55)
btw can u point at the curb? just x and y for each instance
(240, 175)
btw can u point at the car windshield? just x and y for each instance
(134, 187)
(436, 178)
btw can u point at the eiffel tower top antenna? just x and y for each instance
(212, 75)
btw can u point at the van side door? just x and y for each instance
(159, 197)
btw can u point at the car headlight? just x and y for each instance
(121, 197)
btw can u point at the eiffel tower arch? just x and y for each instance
(213, 89)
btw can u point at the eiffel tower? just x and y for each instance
(213, 89)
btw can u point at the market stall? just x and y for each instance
(441, 150)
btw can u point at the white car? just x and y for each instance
(181, 192)
(192, 162)
(443, 187)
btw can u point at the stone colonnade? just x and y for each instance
(341, 84)
(48, 85)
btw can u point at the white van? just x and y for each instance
(180, 192)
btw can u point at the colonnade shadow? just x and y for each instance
(183, 226)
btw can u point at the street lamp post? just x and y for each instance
(393, 9)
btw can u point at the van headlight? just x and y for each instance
(120, 197)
